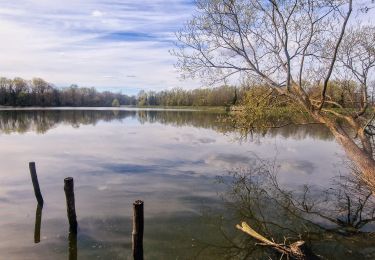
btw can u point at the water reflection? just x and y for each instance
(40, 121)
(336, 222)
(38, 223)
(167, 158)
(72, 254)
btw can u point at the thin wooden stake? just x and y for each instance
(34, 179)
(138, 226)
(70, 204)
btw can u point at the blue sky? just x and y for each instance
(109, 44)
(121, 45)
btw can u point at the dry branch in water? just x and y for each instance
(293, 250)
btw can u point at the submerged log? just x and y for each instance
(34, 179)
(296, 250)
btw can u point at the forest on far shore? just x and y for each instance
(38, 92)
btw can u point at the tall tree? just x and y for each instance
(291, 46)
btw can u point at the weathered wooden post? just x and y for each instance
(137, 234)
(70, 204)
(38, 221)
(34, 179)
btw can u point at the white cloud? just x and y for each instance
(58, 41)
(97, 13)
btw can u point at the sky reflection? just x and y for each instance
(169, 159)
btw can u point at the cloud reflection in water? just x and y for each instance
(167, 158)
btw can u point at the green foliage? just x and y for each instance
(345, 93)
(22, 99)
(115, 103)
(142, 99)
(263, 108)
(219, 96)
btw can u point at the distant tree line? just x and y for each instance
(38, 92)
(219, 96)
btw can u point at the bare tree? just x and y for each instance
(291, 46)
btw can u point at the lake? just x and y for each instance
(196, 176)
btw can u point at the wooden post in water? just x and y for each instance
(70, 204)
(34, 179)
(137, 234)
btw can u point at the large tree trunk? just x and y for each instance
(360, 157)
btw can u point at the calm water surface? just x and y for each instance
(197, 178)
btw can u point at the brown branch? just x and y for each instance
(333, 61)
(294, 250)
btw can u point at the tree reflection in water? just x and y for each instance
(335, 222)
(41, 121)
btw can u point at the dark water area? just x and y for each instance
(197, 177)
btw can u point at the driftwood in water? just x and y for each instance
(137, 234)
(295, 250)
(70, 204)
(34, 179)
